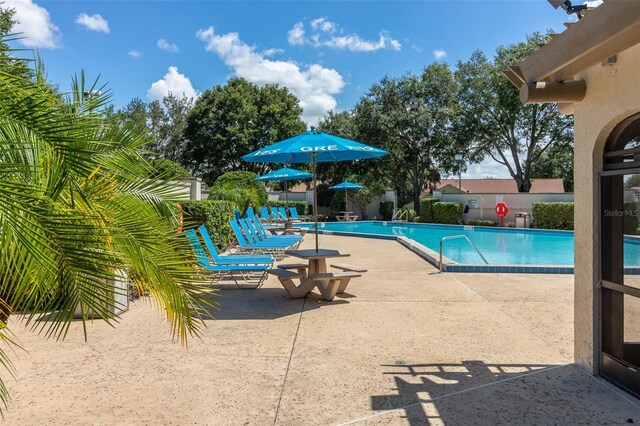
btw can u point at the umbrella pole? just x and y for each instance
(286, 200)
(315, 196)
(346, 200)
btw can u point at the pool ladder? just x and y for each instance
(454, 237)
(399, 214)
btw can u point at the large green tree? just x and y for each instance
(494, 121)
(412, 118)
(556, 162)
(76, 206)
(229, 121)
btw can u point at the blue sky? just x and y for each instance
(328, 53)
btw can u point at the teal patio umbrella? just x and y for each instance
(346, 186)
(312, 147)
(285, 174)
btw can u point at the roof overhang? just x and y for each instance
(549, 74)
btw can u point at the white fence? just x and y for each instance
(482, 206)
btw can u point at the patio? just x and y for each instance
(406, 346)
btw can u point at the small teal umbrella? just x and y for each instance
(285, 174)
(346, 186)
(312, 147)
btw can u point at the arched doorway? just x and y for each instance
(620, 256)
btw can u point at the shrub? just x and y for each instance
(549, 215)
(301, 206)
(510, 225)
(631, 220)
(244, 180)
(215, 214)
(386, 210)
(410, 216)
(167, 169)
(482, 223)
(426, 209)
(448, 212)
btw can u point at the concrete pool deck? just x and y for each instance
(406, 346)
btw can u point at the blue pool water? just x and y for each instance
(498, 245)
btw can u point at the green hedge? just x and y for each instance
(448, 213)
(426, 210)
(482, 223)
(631, 219)
(386, 210)
(215, 214)
(301, 206)
(547, 215)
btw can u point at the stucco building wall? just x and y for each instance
(613, 94)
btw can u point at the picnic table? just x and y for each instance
(316, 273)
(346, 217)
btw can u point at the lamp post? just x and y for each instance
(459, 160)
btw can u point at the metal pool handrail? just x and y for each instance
(453, 237)
(397, 217)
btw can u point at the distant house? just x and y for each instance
(497, 186)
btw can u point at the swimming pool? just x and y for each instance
(500, 246)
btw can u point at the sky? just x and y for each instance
(327, 53)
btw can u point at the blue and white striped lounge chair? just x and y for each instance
(252, 276)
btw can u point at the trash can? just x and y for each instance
(522, 220)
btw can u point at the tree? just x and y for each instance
(497, 124)
(555, 162)
(411, 117)
(229, 121)
(633, 181)
(80, 210)
(166, 123)
(241, 188)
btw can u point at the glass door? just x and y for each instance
(620, 257)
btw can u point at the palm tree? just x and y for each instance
(76, 207)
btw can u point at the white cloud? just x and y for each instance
(488, 168)
(439, 54)
(321, 24)
(273, 51)
(169, 47)
(34, 24)
(134, 53)
(416, 48)
(314, 85)
(325, 33)
(295, 36)
(93, 22)
(173, 83)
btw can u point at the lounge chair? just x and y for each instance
(275, 215)
(252, 275)
(274, 230)
(277, 250)
(253, 237)
(232, 259)
(260, 234)
(295, 216)
(282, 213)
(264, 214)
